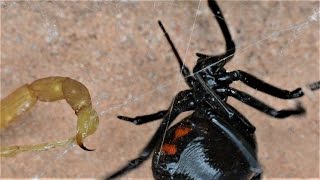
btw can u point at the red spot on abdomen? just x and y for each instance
(169, 149)
(180, 132)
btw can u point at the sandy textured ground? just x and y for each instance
(118, 51)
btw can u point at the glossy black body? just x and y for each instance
(204, 153)
(216, 141)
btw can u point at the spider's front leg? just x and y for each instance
(260, 85)
(181, 103)
(259, 105)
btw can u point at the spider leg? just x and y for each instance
(259, 85)
(230, 46)
(205, 61)
(145, 118)
(184, 69)
(181, 103)
(138, 120)
(314, 86)
(259, 105)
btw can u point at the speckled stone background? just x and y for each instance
(118, 51)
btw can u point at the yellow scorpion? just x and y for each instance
(48, 90)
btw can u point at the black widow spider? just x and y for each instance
(216, 141)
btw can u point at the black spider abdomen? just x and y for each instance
(196, 149)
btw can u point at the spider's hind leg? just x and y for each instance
(181, 103)
(138, 120)
(145, 118)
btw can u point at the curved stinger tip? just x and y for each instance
(84, 148)
(80, 143)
